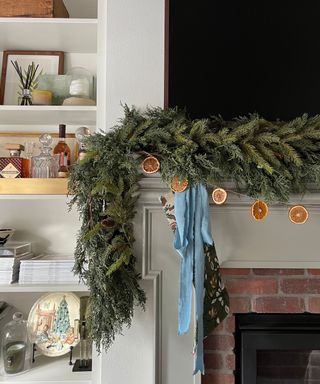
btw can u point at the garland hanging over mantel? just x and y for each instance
(271, 159)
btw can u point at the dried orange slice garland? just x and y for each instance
(259, 210)
(219, 196)
(150, 165)
(298, 214)
(178, 185)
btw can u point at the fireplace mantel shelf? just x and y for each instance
(243, 242)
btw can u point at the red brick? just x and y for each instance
(219, 342)
(235, 271)
(218, 378)
(300, 286)
(314, 272)
(219, 328)
(230, 324)
(278, 272)
(230, 362)
(213, 361)
(239, 304)
(252, 286)
(314, 304)
(278, 305)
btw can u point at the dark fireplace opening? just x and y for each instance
(277, 348)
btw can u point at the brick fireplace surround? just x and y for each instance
(261, 291)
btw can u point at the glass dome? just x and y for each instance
(16, 348)
(81, 83)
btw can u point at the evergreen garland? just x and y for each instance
(266, 159)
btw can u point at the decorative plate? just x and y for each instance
(53, 323)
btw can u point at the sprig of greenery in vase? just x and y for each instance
(28, 81)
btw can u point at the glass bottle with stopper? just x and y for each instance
(63, 152)
(44, 165)
(16, 348)
(81, 133)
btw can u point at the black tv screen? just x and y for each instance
(235, 57)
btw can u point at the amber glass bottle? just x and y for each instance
(62, 150)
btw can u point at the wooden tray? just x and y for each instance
(33, 8)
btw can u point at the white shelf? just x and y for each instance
(23, 288)
(50, 370)
(38, 115)
(69, 35)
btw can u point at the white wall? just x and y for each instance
(135, 75)
(44, 222)
(135, 55)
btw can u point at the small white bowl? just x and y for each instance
(5, 235)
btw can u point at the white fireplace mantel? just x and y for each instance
(151, 351)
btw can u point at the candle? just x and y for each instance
(41, 97)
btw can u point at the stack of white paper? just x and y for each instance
(11, 255)
(47, 269)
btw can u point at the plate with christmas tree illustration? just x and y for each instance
(53, 323)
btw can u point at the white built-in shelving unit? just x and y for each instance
(44, 218)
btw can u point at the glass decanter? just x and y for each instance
(16, 348)
(81, 134)
(45, 165)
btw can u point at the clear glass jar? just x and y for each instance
(16, 348)
(44, 166)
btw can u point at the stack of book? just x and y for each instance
(48, 269)
(11, 255)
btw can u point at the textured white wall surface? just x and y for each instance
(135, 55)
(44, 222)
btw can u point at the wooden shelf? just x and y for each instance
(23, 288)
(33, 186)
(69, 35)
(48, 115)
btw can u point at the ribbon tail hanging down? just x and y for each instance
(193, 229)
(202, 234)
(182, 243)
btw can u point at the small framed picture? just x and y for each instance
(48, 62)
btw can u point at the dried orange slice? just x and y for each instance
(259, 210)
(150, 165)
(298, 214)
(179, 185)
(219, 196)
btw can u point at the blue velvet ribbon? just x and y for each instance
(193, 231)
